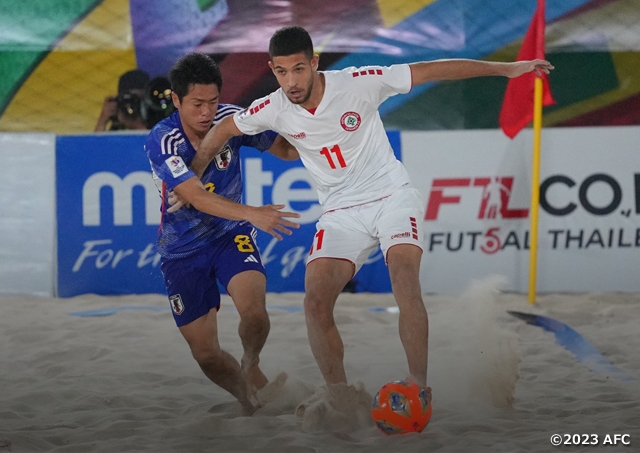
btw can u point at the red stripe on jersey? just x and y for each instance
(367, 72)
(414, 228)
(162, 206)
(259, 107)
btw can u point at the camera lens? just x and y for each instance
(157, 101)
(159, 94)
(129, 104)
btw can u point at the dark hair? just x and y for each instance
(136, 79)
(290, 40)
(194, 68)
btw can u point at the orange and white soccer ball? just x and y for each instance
(400, 407)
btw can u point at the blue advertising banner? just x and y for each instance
(108, 214)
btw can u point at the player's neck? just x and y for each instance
(195, 137)
(317, 92)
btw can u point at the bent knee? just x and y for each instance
(208, 353)
(318, 309)
(254, 314)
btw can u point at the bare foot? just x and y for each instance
(422, 383)
(255, 378)
(429, 397)
(272, 390)
(248, 408)
(247, 395)
(422, 386)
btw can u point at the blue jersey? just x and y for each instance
(183, 232)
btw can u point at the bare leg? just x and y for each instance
(404, 269)
(325, 278)
(216, 364)
(247, 290)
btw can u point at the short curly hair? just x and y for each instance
(290, 40)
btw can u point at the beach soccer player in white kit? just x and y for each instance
(332, 119)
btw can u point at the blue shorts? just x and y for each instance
(191, 281)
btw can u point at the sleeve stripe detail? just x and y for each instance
(170, 141)
(226, 111)
(259, 107)
(367, 72)
(221, 116)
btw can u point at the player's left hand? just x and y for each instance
(271, 219)
(176, 202)
(516, 69)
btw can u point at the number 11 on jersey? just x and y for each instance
(335, 149)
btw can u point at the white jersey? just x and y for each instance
(343, 144)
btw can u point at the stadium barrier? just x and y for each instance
(80, 213)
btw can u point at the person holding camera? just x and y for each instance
(124, 111)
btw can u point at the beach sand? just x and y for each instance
(126, 381)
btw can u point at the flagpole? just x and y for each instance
(535, 188)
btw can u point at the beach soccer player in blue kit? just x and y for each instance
(213, 236)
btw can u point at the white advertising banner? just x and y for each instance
(477, 185)
(27, 214)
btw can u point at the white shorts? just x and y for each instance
(353, 233)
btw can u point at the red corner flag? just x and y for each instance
(517, 107)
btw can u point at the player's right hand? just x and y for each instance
(109, 107)
(176, 202)
(270, 219)
(518, 68)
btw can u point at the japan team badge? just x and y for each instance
(223, 158)
(176, 304)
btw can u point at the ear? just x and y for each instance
(271, 66)
(176, 100)
(315, 61)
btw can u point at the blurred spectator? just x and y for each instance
(124, 111)
(141, 102)
(157, 103)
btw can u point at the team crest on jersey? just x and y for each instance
(176, 304)
(350, 121)
(223, 158)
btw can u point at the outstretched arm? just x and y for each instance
(212, 143)
(454, 69)
(268, 218)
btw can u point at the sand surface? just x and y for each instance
(126, 381)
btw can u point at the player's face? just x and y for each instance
(295, 74)
(198, 107)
